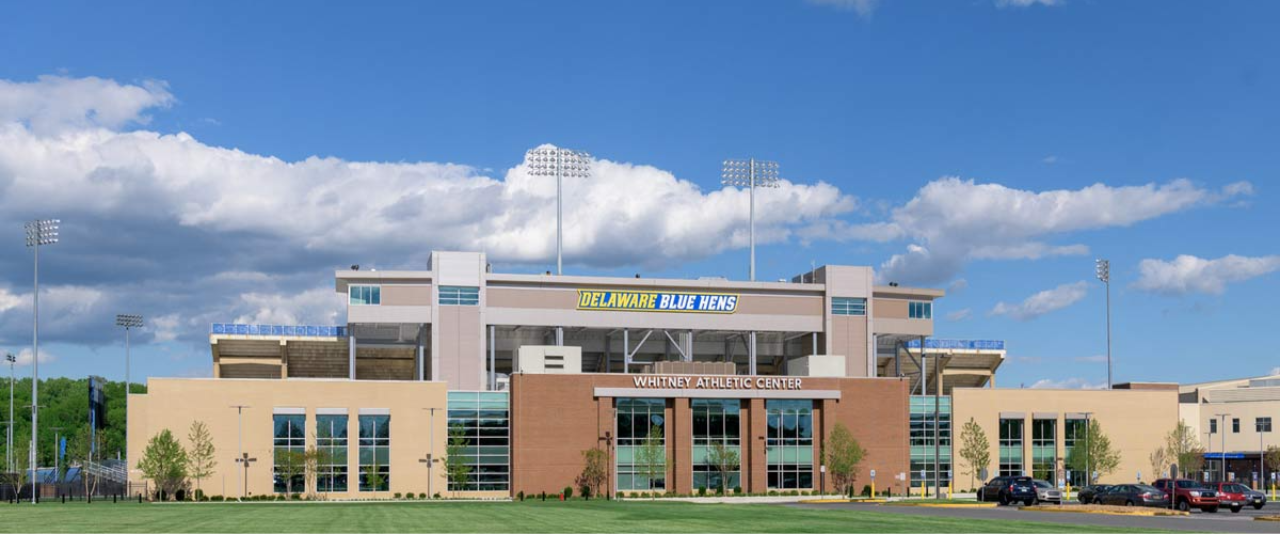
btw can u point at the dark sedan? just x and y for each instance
(1088, 493)
(1133, 495)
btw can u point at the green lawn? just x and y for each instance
(576, 516)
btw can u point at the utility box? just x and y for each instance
(549, 360)
(817, 366)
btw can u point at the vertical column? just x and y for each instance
(626, 351)
(422, 353)
(351, 354)
(751, 354)
(756, 469)
(679, 429)
(688, 346)
(493, 358)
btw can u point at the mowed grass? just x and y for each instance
(575, 516)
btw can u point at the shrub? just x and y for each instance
(737, 490)
(398, 495)
(436, 496)
(542, 495)
(422, 496)
(568, 493)
(618, 495)
(702, 491)
(520, 496)
(216, 498)
(296, 497)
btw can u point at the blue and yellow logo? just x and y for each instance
(656, 301)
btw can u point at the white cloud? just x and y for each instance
(624, 214)
(24, 357)
(56, 103)
(864, 8)
(1049, 160)
(1096, 358)
(166, 327)
(951, 221)
(1191, 274)
(9, 301)
(1275, 370)
(956, 286)
(1068, 383)
(1044, 302)
(960, 315)
(318, 306)
(1026, 3)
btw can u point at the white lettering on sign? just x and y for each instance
(717, 382)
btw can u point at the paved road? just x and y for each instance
(1197, 522)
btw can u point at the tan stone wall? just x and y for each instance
(1136, 421)
(175, 403)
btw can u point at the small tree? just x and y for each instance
(81, 449)
(201, 456)
(21, 464)
(311, 466)
(595, 469)
(842, 455)
(724, 460)
(1159, 462)
(1273, 459)
(289, 465)
(455, 462)
(164, 462)
(1094, 453)
(975, 450)
(651, 456)
(1183, 446)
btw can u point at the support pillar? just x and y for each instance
(493, 358)
(559, 336)
(626, 351)
(351, 354)
(422, 353)
(751, 354)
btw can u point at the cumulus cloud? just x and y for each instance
(1068, 383)
(24, 357)
(1191, 274)
(1275, 370)
(55, 103)
(1044, 302)
(320, 306)
(951, 221)
(864, 8)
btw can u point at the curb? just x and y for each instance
(1138, 513)
(1275, 518)
(943, 505)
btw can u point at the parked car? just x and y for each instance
(1046, 492)
(1188, 494)
(1089, 494)
(1257, 498)
(1233, 495)
(1007, 490)
(1134, 495)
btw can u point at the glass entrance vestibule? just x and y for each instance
(653, 435)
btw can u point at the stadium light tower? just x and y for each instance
(1104, 275)
(8, 436)
(40, 232)
(128, 322)
(561, 163)
(750, 173)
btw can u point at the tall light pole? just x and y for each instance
(241, 456)
(561, 163)
(1104, 275)
(128, 322)
(1088, 453)
(1222, 455)
(57, 455)
(40, 232)
(750, 173)
(431, 453)
(8, 438)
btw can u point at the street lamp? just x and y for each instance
(561, 163)
(1222, 455)
(431, 453)
(40, 232)
(750, 173)
(1103, 268)
(8, 439)
(128, 322)
(241, 456)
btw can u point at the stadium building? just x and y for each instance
(515, 375)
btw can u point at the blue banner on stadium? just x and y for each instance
(657, 301)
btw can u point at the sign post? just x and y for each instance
(873, 483)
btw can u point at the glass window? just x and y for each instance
(640, 422)
(920, 310)
(716, 423)
(1213, 426)
(1262, 424)
(1075, 435)
(459, 296)
(1011, 447)
(331, 443)
(480, 421)
(1044, 450)
(1235, 426)
(290, 446)
(375, 452)
(921, 438)
(789, 444)
(848, 306)
(365, 295)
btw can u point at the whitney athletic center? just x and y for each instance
(527, 371)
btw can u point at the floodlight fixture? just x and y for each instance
(750, 173)
(561, 163)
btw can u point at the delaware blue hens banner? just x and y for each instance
(656, 301)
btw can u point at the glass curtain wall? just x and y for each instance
(290, 445)
(480, 420)
(641, 429)
(1044, 450)
(1074, 435)
(1011, 447)
(331, 443)
(716, 421)
(922, 449)
(375, 452)
(789, 444)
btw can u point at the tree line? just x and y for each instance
(64, 403)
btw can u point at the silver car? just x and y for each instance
(1046, 492)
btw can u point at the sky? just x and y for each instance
(215, 162)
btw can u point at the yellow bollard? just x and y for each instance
(1068, 496)
(949, 488)
(923, 493)
(873, 488)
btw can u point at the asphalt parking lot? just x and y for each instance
(1223, 521)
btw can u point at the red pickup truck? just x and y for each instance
(1188, 494)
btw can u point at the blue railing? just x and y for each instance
(961, 344)
(278, 330)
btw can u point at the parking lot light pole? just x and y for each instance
(40, 232)
(128, 321)
(1222, 454)
(8, 440)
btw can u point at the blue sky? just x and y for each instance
(214, 162)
